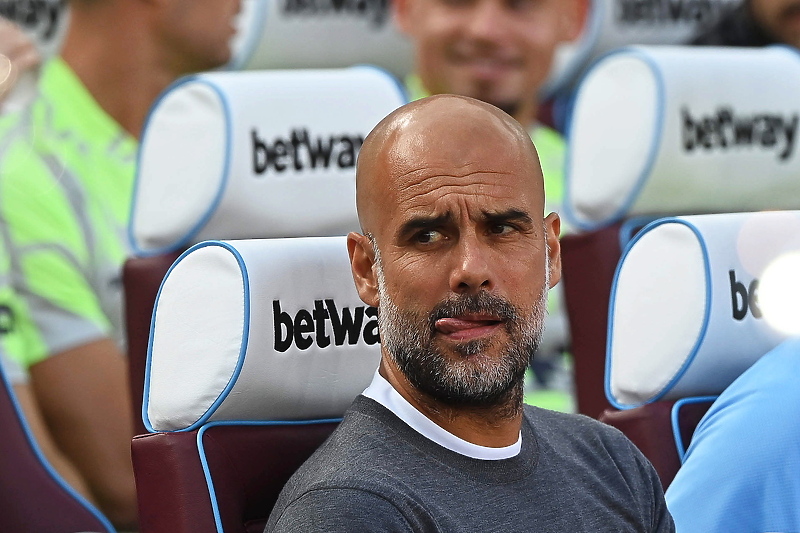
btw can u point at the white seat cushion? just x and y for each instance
(684, 318)
(255, 155)
(684, 130)
(253, 330)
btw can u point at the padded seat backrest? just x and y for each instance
(257, 348)
(613, 24)
(281, 34)
(33, 497)
(617, 177)
(685, 321)
(235, 155)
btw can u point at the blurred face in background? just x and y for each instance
(199, 32)
(779, 18)
(498, 51)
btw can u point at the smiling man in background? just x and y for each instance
(501, 52)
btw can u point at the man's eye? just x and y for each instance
(429, 236)
(501, 229)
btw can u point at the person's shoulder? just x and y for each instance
(352, 482)
(584, 425)
(355, 452)
(581, 434)
(547, 139)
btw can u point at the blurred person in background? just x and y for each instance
(18, 55)
(501, 52)
(757, 23)
(67, 164)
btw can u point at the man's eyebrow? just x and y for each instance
(424, 222)
(509, 215)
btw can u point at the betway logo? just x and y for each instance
(671, 11)
(744, 297)
(34, 14)
(308, 327)
(726, 130)
(299, 151)
(375, 11)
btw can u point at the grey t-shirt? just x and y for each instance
(375, 473)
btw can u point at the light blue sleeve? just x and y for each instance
(742, 470)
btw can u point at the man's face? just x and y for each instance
(198, 33)
(498, 51)
(471, 378)
(779, 18)
(463, 266)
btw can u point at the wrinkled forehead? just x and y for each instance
(459, 148)
(468, 161)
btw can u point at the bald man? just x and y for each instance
(456, 255)
(501, 52)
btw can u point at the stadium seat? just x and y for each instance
(250, 155)
(613, 24)
(633, 155)
(241, 390)
(33, 497)
(685, 322)
(283, 34)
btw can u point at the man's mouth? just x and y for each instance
(467, 327)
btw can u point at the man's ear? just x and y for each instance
(575, 14)
(362, 261)
(401, 14)
(552, 226)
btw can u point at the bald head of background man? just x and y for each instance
(458, 259)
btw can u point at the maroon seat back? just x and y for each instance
(589, 261)
(248, 464)
(141, 279)
(650, 427)
(32, 497)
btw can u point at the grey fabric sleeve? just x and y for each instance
(344, 510)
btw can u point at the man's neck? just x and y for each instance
(496, 426)
(526, 113)
(112, 52)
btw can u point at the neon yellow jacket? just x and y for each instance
(66, 182)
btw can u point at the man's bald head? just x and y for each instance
(435, 130)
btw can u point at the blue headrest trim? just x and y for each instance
(249, 46)
(657, 133)
(586, 44)
(242, 349)
(46, 464)
(397, 83)
(611, 304)
(676, 428)
(183, 241)
(204, 460)
(632, 226)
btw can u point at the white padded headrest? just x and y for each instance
(267, 329)
(684, 130)
(684, 317)
(319, 34)
(612, 24)
(255, 154)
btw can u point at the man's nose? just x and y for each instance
(471, 269)
(488, 20)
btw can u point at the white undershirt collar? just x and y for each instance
(382, 392)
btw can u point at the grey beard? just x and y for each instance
(472, 381)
